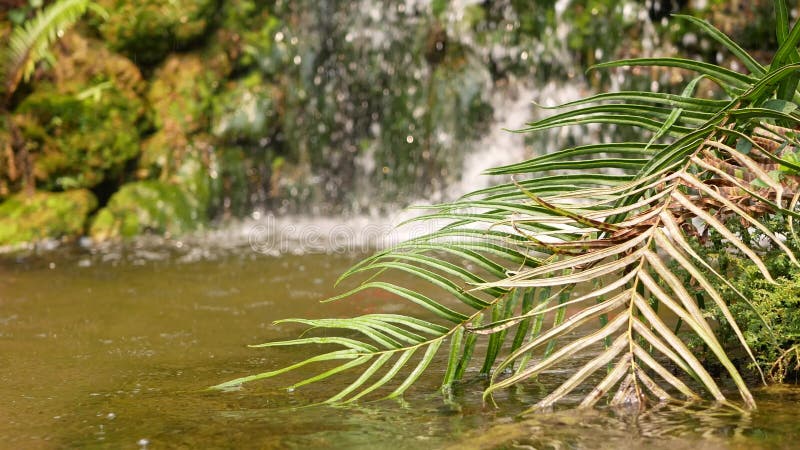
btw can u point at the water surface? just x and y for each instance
(114, 348)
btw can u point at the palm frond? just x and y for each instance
(609, 241)
(30, 42)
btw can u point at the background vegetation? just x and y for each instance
(168, 115)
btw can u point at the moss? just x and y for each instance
(82, 63)
(174, 205)
(158, 154)
(768, 318)
(146, 206)
(147, 30)
(181, 94)
(769, 321)
(45, 215)
(238, 20)
(78, 141)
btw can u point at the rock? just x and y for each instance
(82, 63)
(181, 93)
(147, 30)
(159, 152)
(239, 19)
(79, 141)
(173, 205)
(45, 215)
(146, 206)
(82, 121)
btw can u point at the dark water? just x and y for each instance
(115, 349)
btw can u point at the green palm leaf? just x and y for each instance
(573, 246)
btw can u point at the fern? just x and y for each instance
(621, 241)
(30, 43)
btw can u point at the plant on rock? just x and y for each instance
(30, 43)
(611, 239)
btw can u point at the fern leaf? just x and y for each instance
(30, 43)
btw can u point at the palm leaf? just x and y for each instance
(626, 244)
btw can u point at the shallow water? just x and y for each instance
(114, 349)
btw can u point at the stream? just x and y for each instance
(114, 348)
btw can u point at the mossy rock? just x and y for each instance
(147, 30)
(158, 154)
(248, 110)
(238, 20)
(83, 63)
(181, 94)
(45, 215)
(79, 141)
(147, 206)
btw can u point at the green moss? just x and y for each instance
(770, 321)
(79, 141)
(147, 206)
(45, 215)
(147, 30)
(83, 63)
(181, 94)
(769, 318)
(157, 154)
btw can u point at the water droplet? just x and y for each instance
(410, 139)
(290, 390)
(143, 442)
